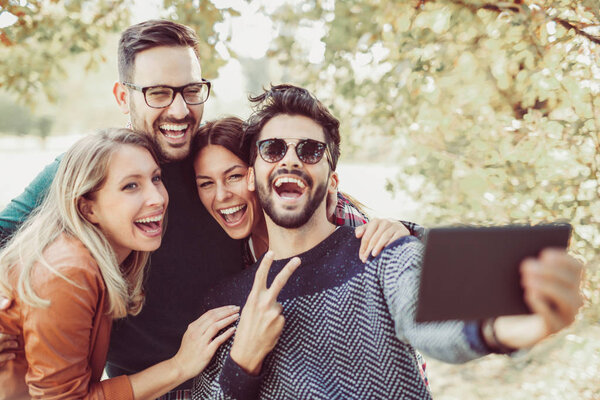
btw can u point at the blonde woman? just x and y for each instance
(78, 263)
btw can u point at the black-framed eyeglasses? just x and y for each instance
(162, 96)
(309, 151)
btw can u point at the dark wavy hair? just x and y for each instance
(147, 35)
(227, 132)
(291, 100)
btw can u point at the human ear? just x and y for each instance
(122, 96)
(334, 181)
(251, 185)
(86, 207)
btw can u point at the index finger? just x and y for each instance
(260, 278)
(283, 276)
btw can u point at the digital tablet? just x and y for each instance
(472, 273)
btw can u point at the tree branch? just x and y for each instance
(568, 25)
(504, 6)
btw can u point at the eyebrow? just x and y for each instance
(137, 176)
(228, 170)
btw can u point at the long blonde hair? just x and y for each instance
(82, 172)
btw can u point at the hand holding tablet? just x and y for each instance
(473, 272)
(520, 274)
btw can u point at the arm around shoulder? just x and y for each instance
(17, 211)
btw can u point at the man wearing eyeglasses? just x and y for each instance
(162, 90)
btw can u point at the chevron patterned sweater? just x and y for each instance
(349, 329)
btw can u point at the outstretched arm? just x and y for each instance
(399, 269)
(551, 283)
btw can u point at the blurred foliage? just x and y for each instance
(202, 15)
(496, 105)
(490, 110)
(46, 35)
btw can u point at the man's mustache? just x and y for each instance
(187, 120)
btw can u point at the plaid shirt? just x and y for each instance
(347, 214)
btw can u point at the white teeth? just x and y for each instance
(149, 219)
(231, 210)
(177, 129)
(287, 179)
(175, 136)
(174, 127)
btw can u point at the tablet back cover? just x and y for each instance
(472, 273)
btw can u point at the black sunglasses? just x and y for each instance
(308, 151)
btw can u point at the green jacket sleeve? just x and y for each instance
(19, 208)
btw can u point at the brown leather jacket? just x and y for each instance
(64, 345)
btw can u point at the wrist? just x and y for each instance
(178, 370)
(251, 364)
(490, 337)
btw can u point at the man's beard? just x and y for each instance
(168, 152)
(300, 217)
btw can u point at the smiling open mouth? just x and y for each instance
(234, 214)
(150, 225)
(288, 187)
(173, 131)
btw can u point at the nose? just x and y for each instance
(290, 159)
(222, 193)
(178, 108)
(156, 195)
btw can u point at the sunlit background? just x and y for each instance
(452, 111)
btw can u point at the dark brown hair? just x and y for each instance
(291, 100)
(227, 132)
(147, 35)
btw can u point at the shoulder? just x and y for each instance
(67, 257)
(405, 250)
(69, 252)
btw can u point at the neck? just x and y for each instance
(122, 256)
(286, 243)
(260, 238)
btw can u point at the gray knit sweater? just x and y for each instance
(349, 329)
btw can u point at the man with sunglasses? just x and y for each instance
(319, 323)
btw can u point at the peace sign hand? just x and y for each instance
(261, 321)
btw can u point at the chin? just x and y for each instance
(236, 234)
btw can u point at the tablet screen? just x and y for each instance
(472, 273)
